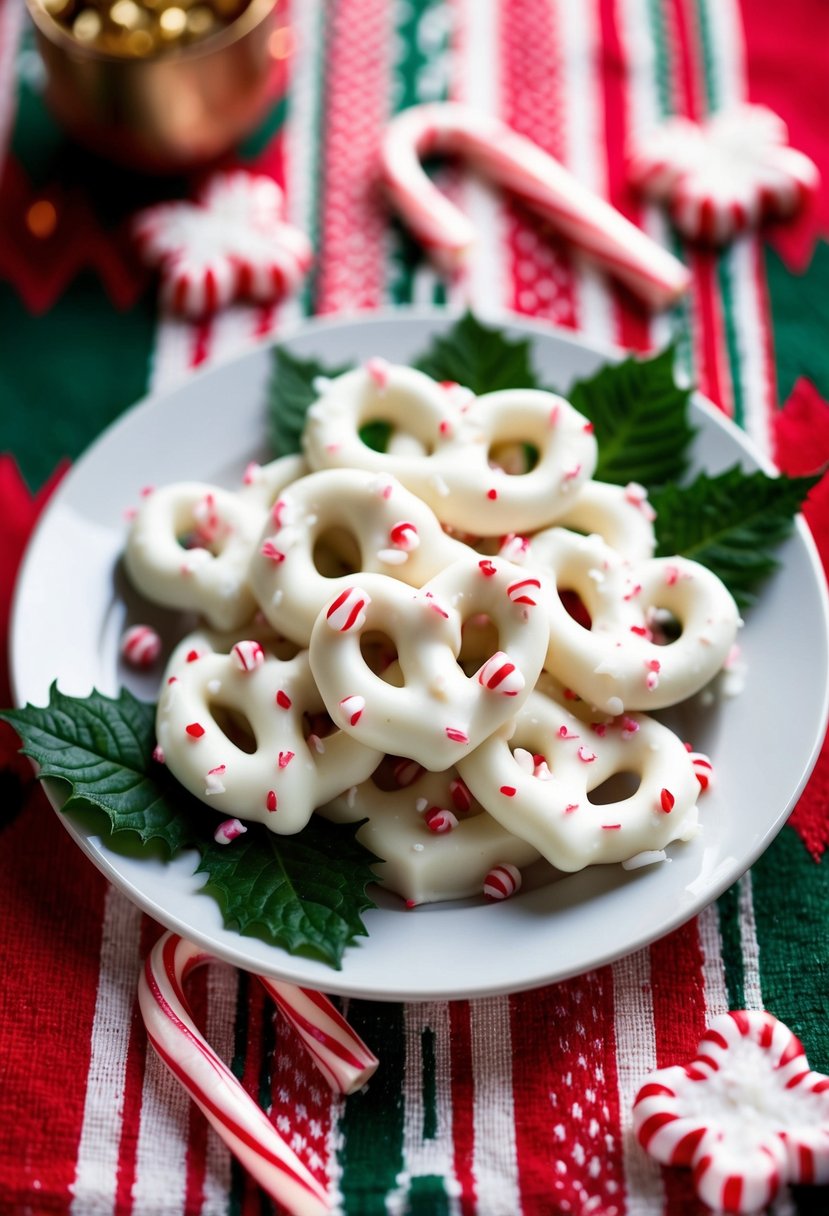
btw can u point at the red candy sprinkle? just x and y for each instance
(460, 795)
(283, 700)
(487, 569)
(270, 801)
(195, 730)
(666, 801)
(492, 495)
(439, 820)
(285, 759)
(509, 791)
(457, 736)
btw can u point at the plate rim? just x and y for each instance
(334, 980)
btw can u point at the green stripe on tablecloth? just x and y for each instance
(371, 1126)
(237, 1067)
(429, 1070)
(726, 262)
(67, 374)
(663, 86)
(791, 909)
(800, 318)
(415, 38)
(427, 1196)
(308, 295)
(728, 910)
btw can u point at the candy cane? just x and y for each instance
(519, 165)
(342, 1058)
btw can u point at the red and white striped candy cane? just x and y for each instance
(533, 176)
(341, 1056)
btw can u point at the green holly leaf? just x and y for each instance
(290, 392)
(640, 417)
(303, 892)
(729, 523)
(103, 749)
(481, 359)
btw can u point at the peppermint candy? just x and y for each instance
(727, 174)
(502, 881)
(140, 646)
(747, 1114)
(232, 243)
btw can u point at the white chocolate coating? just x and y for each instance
(548, 803)
(286, 776)
(421, 865)
(263, 483)
(621, 515)
(392, 530)
(615, 665)
(453, 474)
(439, 713)
(212, 576)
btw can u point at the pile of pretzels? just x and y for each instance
(458, 639)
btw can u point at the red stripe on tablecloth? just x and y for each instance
(710, 352)
(45, 1040)
(133, 1088)
(463, 1105)
(540, 267)
(786, 66)
(249, 1194)
(51, 903)
(567, 1117)
(351, 259)
(631, 318)
(679, 1017)
(196, 1164)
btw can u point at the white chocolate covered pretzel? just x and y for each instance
(454, 473)
(621, 515)
(438, 713)
(189, 548)
(231, 729)
(617, 664)
(380, 526)
(538, 784)
(435, 839)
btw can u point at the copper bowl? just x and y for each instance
(169, 111)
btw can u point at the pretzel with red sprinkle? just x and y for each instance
(453, 473)
(438, 710)
(616, 664)
(393, 532)
(214, 690)
(537, 784)
(189, 548)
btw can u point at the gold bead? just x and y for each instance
(139, 43)
(171, 23)
(127, 14)
(200, 21)
(87, 26)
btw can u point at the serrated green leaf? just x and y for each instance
(290, 392)
(640, 418)
(729, 523)
(304, 892)
(103, 749)
(481, 359)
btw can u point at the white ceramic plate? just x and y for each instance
(72, 602)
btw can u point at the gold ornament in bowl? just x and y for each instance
(161, 84)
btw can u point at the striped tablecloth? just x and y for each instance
(500, 1106)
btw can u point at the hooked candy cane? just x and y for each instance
(341, 1056)
(533, 176)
